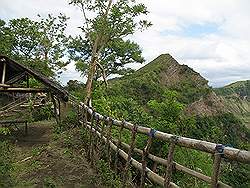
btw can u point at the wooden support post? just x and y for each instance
(27, 81)
(130, 151)
(169, 167)
(55, 111)
(4, 72)
(59, 109)
(216, 165)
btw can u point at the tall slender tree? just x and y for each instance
(104, 47)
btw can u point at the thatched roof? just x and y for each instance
(16, 70)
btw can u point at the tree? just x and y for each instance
(37, 44)
(104, 48)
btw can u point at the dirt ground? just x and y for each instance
(45, 159)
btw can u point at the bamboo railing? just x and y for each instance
(100, 127)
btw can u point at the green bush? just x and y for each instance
(5, 164)
(70, 121)
(108, 177)
(43, 113)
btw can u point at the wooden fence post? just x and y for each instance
(98, 139)
(169, 167)
(85, 113)
(95, 138)
(109, 136)
(102, 132)
(216, 165)
(118, 146)
(90, 150)
(144, 155)
(130, 151)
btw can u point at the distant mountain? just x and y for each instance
(165, 72)
(236, 97)
(239, 89)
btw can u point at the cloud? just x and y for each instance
(210, 36)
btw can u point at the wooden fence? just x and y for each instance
(100, 128)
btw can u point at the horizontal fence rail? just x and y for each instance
(101, 126)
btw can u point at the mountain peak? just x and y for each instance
(165, 73)
(171, 73)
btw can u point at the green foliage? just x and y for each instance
(70, 121)
(242, 88)
(49, 182)
(43, 113)
(236, 174)
(108, 177)
(107, 28)
(169, 108)
(37, 44)
(76, 88)
(5, 164)
(142, 99)
(4, 131)
(223, 128)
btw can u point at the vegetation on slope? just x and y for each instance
(157, 96)
(240, 88)
(163, 73)
(236, 97)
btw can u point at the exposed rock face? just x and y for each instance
(165, 73)
(198, 96)
(209, 105)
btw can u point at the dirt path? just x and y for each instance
(44, 159)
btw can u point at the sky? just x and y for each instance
(210, 36)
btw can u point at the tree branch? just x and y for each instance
(103, 74)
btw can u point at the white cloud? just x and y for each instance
(221, 56)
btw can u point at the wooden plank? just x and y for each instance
(16, 78)
(4, 85)
(12, 121)
(24, 90)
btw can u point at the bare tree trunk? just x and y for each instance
(91, 74)
(93, 62)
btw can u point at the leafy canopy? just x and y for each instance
(37, 44)
(111, 25)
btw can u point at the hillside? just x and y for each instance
(165, 72)
(236, 97)
(173, 98)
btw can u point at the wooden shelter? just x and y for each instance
(15, 78)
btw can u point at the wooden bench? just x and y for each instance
(9, 123)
